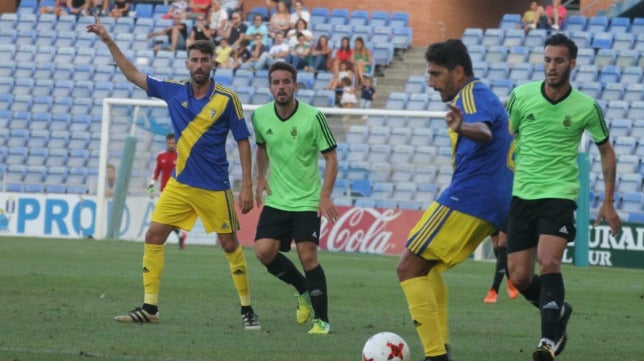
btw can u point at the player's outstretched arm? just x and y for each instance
(246, 193)
(326, 207)
(127, 68)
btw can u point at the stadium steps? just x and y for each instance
(396, 74)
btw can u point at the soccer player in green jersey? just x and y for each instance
(548, 119)
(289, 136)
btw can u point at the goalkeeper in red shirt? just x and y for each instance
(165, 163)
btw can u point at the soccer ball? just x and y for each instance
(385, 346)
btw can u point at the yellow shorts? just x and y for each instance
(447, 236)
(180, 204)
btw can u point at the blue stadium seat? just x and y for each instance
(502, 87)
(319, 15)
(510, 21)
(627, 57)
(513, 37)
(496, 53)
(616, 109)
(613, 91)
(359, 17)
(399, 19)
(324, 98)
(305, 95)
(602, 41)
(379, 18)
(472, 36)
(401, 38)
(144, 10)
(338, 16)
(360, 188)
(521, 71)
(634, 90)
(610, 74)
(305, 80)
(493, 37)
(576, 22)
(397, 101)
(597, 24)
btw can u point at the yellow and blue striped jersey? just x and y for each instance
(200, 128)
(481, 184)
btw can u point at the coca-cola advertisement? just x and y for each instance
(361, 230)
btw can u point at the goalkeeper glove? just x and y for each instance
(151, 188)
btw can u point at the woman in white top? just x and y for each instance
(299, 13)
(280, 20)
(301, 27)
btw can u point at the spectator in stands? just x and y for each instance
(177, 34)
(343, 54)
(235, 32)
(98, 7)
(200, 31)
(361, 59)
(367, 93)
(257, 51)
(320, 54)
(177, 7)
(232, 6)
(300, 13)
(121, 8)
(218, 21)
(59, 8)
(534, 18)
(277, 52)
(78, 7)
(197, 7)
(257, 27)
(299, 54)
(280, 21)
(344, 72)
(301, 27)
(241, 54)
(223, 55)
(270, 4)
(348, 94)
(110, 180)
(556, 14)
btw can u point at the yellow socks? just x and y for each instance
(153, 262)
(421, 299)
(237, 263)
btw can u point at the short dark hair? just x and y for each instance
(281, 65)
(169, 136)
(560, 39)
(449, 54)
(205, 46)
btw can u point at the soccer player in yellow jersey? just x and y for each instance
(472, 207)
(202, 114)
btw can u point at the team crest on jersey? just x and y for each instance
(294, 132)
(530, 116)
(567, 121)
(184, 104)
(212, 113)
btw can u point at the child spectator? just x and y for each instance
(299, 54)
(343, 54)
(178, 7)
(223, 53)
(348, 95)
(367, 94)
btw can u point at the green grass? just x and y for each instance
(58, 299)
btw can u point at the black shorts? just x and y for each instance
(528, 219)
(287, 226)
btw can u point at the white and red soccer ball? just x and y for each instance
(385, 346)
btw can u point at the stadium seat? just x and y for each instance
(586, 73)
(602, 41)
(535, 38)
(623, 41)
(338, 16)
(612, 91)
(472, 36)
(616, 109)
(397, 101)
(379, 153)
(319, 15)
(498, 70)
(627, 57)
(517, 55)
(502, 87)
(378, 135)
(520, 71)
(418, 101)
(597, 24)
(398, 19)
(634, 89)
(359, 17)
(379, 19)
(493, 37)
(632, 201)
(610, 74)
(513, 37)
(144, 10)
(415, 84)
(324, 98)
(401, 38)
(576, 22)
(629, 182)
(510, 21)
(404, 191)
(496, 54)
(581, 38)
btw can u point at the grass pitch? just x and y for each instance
(58, 299)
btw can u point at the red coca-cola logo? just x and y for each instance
(363, 230)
